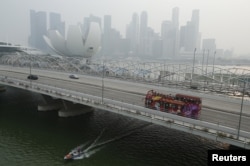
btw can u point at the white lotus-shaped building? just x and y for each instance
(77, 43)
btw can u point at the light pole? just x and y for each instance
(203, 60)
(207, 60)
(30, 61)
(30, 69)
(206, 69)
(213, 63)
(102, 80)
(193, 67)
(241, 106)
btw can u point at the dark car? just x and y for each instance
(32, 77)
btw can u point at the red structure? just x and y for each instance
(180, 104)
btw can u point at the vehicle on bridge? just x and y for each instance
(32, 77)
(179, 104)
(73, 76)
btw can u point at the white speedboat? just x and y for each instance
(76, 153)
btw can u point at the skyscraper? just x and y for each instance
(87, 21)
(38, 28)
(106, 42)
(168, 39)
(170, 35)
(132, 33)
(143, 37)
(190, 35)
(196, 21)
(56, 23)
(107, 23)
(175, 17)
(209, 44)
(175, 21)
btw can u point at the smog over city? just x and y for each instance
(224, 22)
(124, 82)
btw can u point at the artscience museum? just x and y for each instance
(77, 43)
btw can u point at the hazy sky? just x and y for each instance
(228, 21)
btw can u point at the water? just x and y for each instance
(29, 138)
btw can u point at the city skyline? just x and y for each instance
(217, 19)
(140, 41)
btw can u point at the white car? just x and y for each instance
(73, 76)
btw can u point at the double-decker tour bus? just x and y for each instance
(180, 104)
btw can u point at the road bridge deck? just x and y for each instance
(124, 96)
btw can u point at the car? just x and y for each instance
(73, 76)
(32, 77)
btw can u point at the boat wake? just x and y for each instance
(81, 151)
(87, 154)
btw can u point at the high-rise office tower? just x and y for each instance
(170, 35)
(106, 41)
(175, 22)
(175, 17)
(209, 44)
(190, 35)
(55, 23)
(132, 34)
(143, 37)
(168, 39)
(38, 28)
(87, 21)
(107, 23)
(196, 21)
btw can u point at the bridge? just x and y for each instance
(120, 87)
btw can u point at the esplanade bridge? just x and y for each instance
(119, 86)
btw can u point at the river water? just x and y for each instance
(29, 137)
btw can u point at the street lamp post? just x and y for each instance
(241, 107)
(206, 69)
(193, 67)
(207, 61)
(203, 60)
(213, 63)
(102, 80)
(30, 63)
(30, 68)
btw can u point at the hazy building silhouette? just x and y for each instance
(209, 44)
(55, 23)
(189, 34)
(196, 21)
(132, 34)
(112, 42)
(168, 39)
(157, 48)
(106, 42)
(87, 21)
(176, 31)
(153, 44)
(170, 35)
(140, 39)
(143, 38)
(38, 28)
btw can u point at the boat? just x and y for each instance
(76, 153)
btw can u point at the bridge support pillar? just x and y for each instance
(72, 109)
(49, 104)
